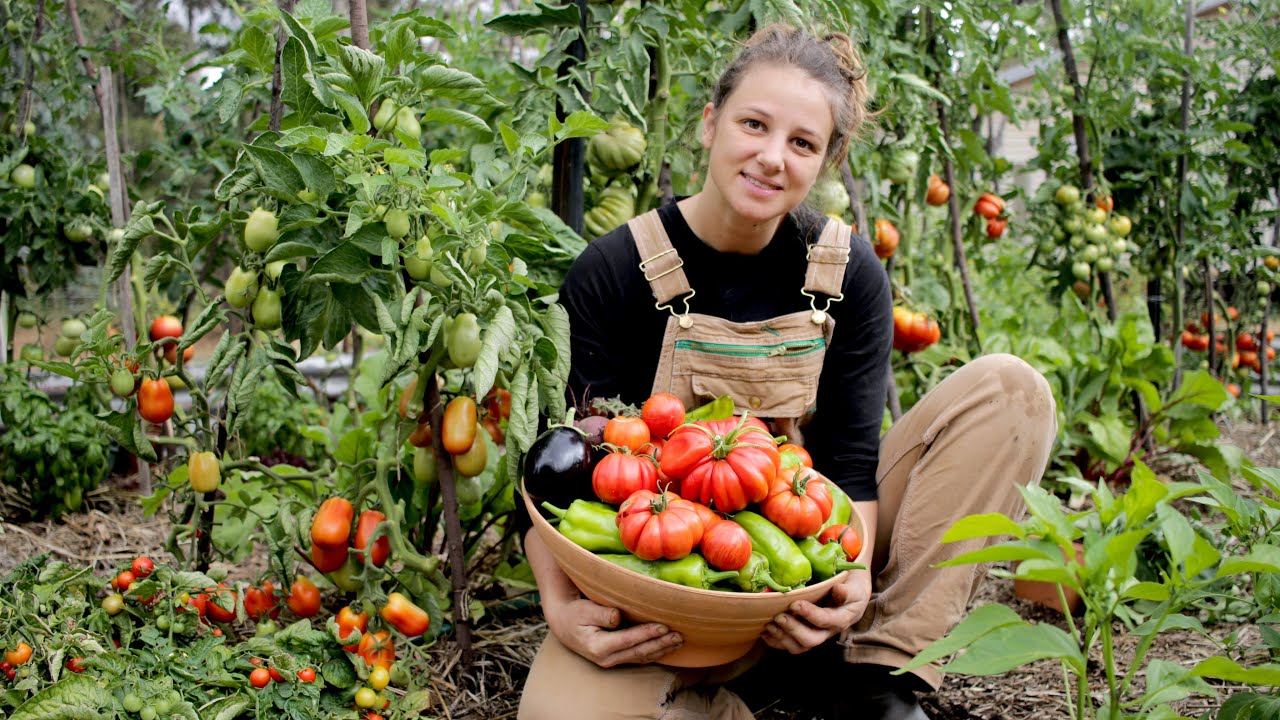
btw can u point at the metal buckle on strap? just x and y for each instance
(820, 316)
(841, 252)
(684, 320)
(644, 264)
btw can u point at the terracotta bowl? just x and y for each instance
(718, 626)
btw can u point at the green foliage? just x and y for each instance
(49, 455)
(275, 424)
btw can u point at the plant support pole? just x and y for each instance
(569, 156)
(452, 523)
(277, 83)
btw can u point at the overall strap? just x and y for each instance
(827, 260)
(661, 265)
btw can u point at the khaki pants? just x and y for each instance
(962, 449)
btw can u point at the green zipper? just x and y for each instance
(797, 347)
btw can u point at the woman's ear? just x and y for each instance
(708, 124)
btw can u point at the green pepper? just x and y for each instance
(719, 409)
(841, 506)
(590, 525)
(827, 560)
(691, 570)
(755, 576)
(786, 563)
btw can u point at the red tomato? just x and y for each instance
(793, 455)
(798, 502)
(1246, 342)
(304, 598)
(662, 413)
(913, 331)
(619, 474)
(996, 226)
(402, 614)
(627, 432)
(939, 192)
(155, 401)
(258, 602)
(331, 526)
(887, 238)
(726, 545)
(307, 675)
(351, 626)
(369, 520)
(219, 600)
(657, 526)
(123, 581)
(708, 516)
(142, 566)
(260, 678)
(276, 674)
(498, 402)
(165, 326)
(327, 558)
(846, 536)
(75, 665)
(171, 354)
(989, 205)
(725, 464)
(377, 649)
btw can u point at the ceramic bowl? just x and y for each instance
(718, 626)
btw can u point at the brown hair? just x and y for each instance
(830, 59)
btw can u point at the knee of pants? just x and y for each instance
(1016, 379)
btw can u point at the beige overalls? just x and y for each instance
(961, 450)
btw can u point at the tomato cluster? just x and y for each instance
(914, 331)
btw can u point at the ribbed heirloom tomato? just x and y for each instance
(798, 502)
(657, 526)
(726, 464)
(621, 473)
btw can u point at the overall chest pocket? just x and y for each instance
(771, 379)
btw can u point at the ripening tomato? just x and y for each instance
(171, 354)
(498, 403)
(655, 526)
(421, 435)
(662, 412)
(846, 536)
(123, 581)
(627, 432)
(471, 463)
(203, 472)
(365, 528)
(155, 401)
(938, 193)
(351, 627)
(989, 205)
(165, 326)
(798, 502)
(996, 226)
(19, 655)
(460, 425)
(377, 649)
(328, 558)
(887, 238)
(331, 526)
(726, 545)
(621, 473)
(793, 455)
(1105, 202)
(304, 598)
(403, 615)
(913, 331)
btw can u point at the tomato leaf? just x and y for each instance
(140, 226)
(72, 698)
(126, 429)
(498, 336)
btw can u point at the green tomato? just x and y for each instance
(407, 123)
(1076, 241)
(1090, 253)
(72, 328)
(132, 703)
(163, 706)
(266, 309)
(32, 352)
(113, 604)
(1121, 225)
(478, 254)
(397, 222)
(12, 27)
(24, 176)
(1105, 264)
(147, 713)
(1264, 288)
(163, 623)
(1096, 234)
(266, 628)
(385, 115)
(308, 195)
(463, 341)
(366, 697)
(261, 230)
(103, 182)
(115, 236)
(274, 269)
(77, 232)
(536, 199)
(122, 382)
(347, 578)
(1067, 195)
(1081, 270)
(26, 320)
(469, 490)
(242, 287)
(1119, 245)
(64, 345)
(417, 268)
(439, 279)
(1095, 216)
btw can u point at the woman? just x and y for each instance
(808, 317)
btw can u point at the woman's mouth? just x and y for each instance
(762, 185)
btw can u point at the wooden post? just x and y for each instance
(569, 157)
(433, 405)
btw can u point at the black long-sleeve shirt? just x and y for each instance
(617, 331)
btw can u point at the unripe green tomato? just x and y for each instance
(32, 352)
(463, 341)
(26, 320)
(148, 713)
(1121, 225)
(64, 346)
(347, 578)
(163, 623)
(1119, 245)
(115, 236)
(1066, 195)
(308, 195)
(266, 628)
(1058, 233)
(386, 113)
(266, 309)
(1105, 264)
(1090, 253)
(261, 230)
(113, 604)
(1081, 270)
(77, 232)
(242, 287)
(274, 269)
(1264, 288)
(1076, 241)
(418, 262)
(536, 199)
(132, 703)
(103, 182)
(1095, 216)
(163, 706)
(407, 123)
(123, 382)
(424, 468)
(72, 328)
(397, 222)
(24, 176)
(478, 254)
(366, 697)
(439, 279)
(12, 27)
(1096, 234)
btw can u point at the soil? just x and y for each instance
(112, 530)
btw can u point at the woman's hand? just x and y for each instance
(587, 628)
(805, 626)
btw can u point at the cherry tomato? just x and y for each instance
(365, 697)
(19, 655)
(142, 566)
(307, 675)
(260, 678)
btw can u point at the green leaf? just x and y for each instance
(1145, 492)
(356, 113)
(366, 70)
(1261, 558)
(499, 335)
(984, 525)
(1199, 393)
(211, 317)
(74, 697)
(1013, 646)
(1177, 621)
(1204, 555)
(140, 226)
(1111, 436)
(915, 83)
(346, 263)
(529, 22)
(1147, 591)
(510, 138)
(276, 170)
(444, 81)
(453, 116)
(315, 173)
(1225, 669)
(126, 429)
(582, 124)
(295, 91)
(978, 623)
(155, 268)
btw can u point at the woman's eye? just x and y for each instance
(753, 124)
(805, 144)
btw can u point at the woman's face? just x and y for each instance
(767, 142)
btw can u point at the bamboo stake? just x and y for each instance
(1180, 220)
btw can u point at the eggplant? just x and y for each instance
(558, 467)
